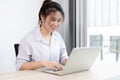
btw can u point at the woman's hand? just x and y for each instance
(52, 65)
(64, 60)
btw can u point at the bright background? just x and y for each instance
(17, 18)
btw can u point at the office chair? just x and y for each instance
(115, 45)
(16, 48)
(117, 49)
(96, 40)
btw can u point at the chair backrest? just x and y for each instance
(118, 45)
(95, 40)
(16, 46)
(113, 43)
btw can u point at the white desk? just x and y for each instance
(99, 71)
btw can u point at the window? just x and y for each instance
(103, 12)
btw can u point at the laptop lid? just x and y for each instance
(81, 59)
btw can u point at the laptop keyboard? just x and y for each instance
(51, 71)
(59, 72)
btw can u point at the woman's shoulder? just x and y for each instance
(28, 37)
(56, 34)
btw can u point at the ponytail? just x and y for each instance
(48, 7)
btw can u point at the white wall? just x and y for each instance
(17, 18)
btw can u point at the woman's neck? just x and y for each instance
(46, 35)
(44, 31)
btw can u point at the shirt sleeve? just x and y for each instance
(23, 54)
(63, 51)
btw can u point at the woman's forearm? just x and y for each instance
(31, 65)
(42, 63)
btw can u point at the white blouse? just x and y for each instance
(34, 47)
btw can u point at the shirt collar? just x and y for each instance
(38, 35)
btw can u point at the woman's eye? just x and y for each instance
(53, 20)
(59, 20)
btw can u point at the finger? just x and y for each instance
(54, 68)
(58, 67)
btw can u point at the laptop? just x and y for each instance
(80, 59)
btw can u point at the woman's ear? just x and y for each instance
(42, 18)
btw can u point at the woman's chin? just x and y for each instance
(52, 30)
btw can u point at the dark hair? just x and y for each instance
(48, 7)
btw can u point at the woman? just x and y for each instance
(44, 47)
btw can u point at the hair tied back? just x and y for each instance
(46, 1)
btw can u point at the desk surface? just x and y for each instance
(99, 71)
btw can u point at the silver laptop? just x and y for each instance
(80, 59)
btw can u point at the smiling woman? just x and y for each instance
(43, 46)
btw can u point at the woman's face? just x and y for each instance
(52, 21)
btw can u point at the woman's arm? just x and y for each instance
(38, 64)
(31, 65)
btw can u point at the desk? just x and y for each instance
(99, 71)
